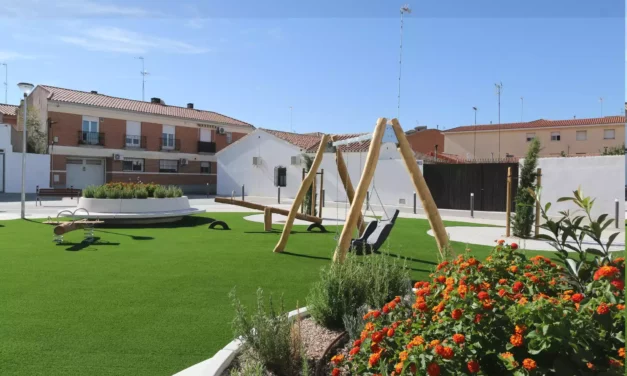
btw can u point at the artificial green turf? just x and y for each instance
(154, 300)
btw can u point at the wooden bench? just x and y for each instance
(57, 192)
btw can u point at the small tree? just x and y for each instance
(37, 140)
(614, 150)
(524, 217)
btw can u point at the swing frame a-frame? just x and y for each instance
(357, 197)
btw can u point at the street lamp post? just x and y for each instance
(26, 88)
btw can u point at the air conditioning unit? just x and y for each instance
(183, 162)
(118, 157)
(256, 161)
(401, 201)
(295, 160)
(221, 130)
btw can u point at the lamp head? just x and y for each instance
(25, 87)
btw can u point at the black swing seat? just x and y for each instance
(374, 236)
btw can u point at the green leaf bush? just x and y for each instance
(131, 190)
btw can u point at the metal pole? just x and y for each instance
(279, 195)
(243, 192)
(367, 200)
(24, 159)
(472, 205)
(508, 204)
(616, 211)
(539, 185)
(324, 204)
(414, 202)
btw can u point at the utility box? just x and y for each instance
(280, 176)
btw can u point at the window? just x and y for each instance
(167, 137)
(582, 135)
(205, 135)
(129, 164)
(133, 134)
(555, 136)
(229, 137)
(89, 130)
(205, 167)
(166, 165)
(608, 134)
(530, 136)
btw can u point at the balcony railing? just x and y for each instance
(91, 138)
(206, 147)
(170, 144)
(134, 141)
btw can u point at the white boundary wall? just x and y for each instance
(37, 166)
(600, 177)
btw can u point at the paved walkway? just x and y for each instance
(489, 235)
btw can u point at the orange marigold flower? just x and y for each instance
(447, 352)
(390, 332)
(507, 355)
(398, 368)
(392, 304)
(441, 265)
(376, 314)
(377, 337)
(462, 290)
(522, 301)
(434, 343)
(529, 364)
(577, 298)
(520, 329)
(516, 340)
(374, 359)
(616, 363)
(603, 309)
(552, 282)
(620, 307)
(433, 369)
(473, 366)
(386, 309)
(403, 356)
(502, 281)
(500, 242)
(590, 365)
(518, 286)
(502, 293)
(337, 359)
(441, 279)
(335, 372)
(487, 304)
(417, 341)
(459, 338)
(485, 285)
(456, 314)
(421, 306)
(439, 308)
(621, 352)
(606, 272)
(513, 269)
(369, 327)
(354, 351)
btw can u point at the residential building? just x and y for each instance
(425, 141)
(96, 138)
(557, 137)
(8, 114)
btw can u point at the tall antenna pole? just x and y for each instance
(522, 106)
(144, 74)
(601, 100)
(499, 89)
(6, 83)
(291, 126)
(404, 9)
(474, 147)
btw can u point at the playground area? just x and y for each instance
(153, 300)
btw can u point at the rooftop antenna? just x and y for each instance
(499, 89)
(601, 100)
(404, 9)
(522, 106)
(144, 74)
(6, 83)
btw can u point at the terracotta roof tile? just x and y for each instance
(303, 141)
(105, 101)
(8, 109)
(540, 123)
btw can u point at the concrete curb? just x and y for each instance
(215, 365)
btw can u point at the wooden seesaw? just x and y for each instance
(316, 222)
(62, 228)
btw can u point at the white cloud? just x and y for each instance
(113, 39)
(13, 55)
(69, 8)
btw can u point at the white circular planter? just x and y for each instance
(153, 210)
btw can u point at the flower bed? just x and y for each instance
(506, 316)
(131, 190)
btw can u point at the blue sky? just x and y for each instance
(336, 63)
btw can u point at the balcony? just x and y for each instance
(134, 141)
(91, 138)
(206, 147)
(170, 144)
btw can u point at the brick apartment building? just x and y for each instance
(96, 138)
(425, 141)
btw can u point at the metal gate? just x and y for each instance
(452, 184)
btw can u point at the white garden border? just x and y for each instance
(133, 208)
(215, 365)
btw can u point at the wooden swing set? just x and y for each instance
(383, 133)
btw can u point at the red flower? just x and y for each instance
(442, 264)
(337, 359)
(529, 364)
(606, 271)
(500, 242)
(374, 359)
(459, 338)
(577, 298)
(618, 283)
(376, 314)
(397, 299)
(357, 343)
(477, 318)
(433, 369)
(386, 309)
(336, 372)
(390, 333)
(422, 306)
(377, 337)
(517, 286)
(456, 314)
(441, 279)
(483, 295)
(354, 351)
(447, 353)
(603, 309)
(502, 281)
(473, 366)
(514, 246)
(502, 293)
(516, 340)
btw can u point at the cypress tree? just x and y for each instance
(523, 220)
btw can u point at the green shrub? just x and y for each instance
(150, 188)
(89, 191)
(127, 193)
(170, 191)
(249, 367)
(114, 193)
(160, 192)
(178, 192)
(267, 333)
(524, 218)
(100, 192)
(344, 287)
(141, 193)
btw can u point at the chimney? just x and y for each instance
(190, 105)
(155, 100)
(94, 92)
